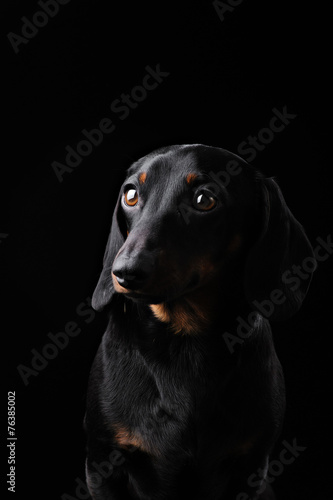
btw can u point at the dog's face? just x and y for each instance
(183, 215)
(180, 222)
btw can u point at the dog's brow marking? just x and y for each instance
(142, 177)
(190, 178)
(127, 439)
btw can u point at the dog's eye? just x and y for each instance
(204, 201)
(131, 197)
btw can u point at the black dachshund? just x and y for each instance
(183, 401)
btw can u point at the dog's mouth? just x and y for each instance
(146, 297)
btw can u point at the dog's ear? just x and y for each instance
(280, 264)
(104, 290)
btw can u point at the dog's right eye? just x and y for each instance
(131, 197)
(204, 201)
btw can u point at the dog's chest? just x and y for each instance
(152, 405)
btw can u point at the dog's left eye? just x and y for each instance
(131, 197)
(204, 201)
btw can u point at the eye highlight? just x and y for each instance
(131, 197)
(204, 201)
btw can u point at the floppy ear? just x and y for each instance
(280, 264)
(104, 290)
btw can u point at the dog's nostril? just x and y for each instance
(121, 277)
(118, 273)
(128, 280)
(122, 282)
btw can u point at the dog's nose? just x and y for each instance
(129, 280)
(133, 274)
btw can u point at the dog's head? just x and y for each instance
(185, 216)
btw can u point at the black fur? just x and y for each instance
(172, 411)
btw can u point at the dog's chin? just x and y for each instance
(144, 298)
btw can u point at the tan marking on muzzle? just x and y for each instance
(193, 311)
(184, 315)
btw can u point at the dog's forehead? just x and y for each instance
(181, 163)
(183, 159)
(160, 167)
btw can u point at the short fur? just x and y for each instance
(189, 416)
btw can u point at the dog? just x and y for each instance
(180, 405)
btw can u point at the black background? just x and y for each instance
(225, 77)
